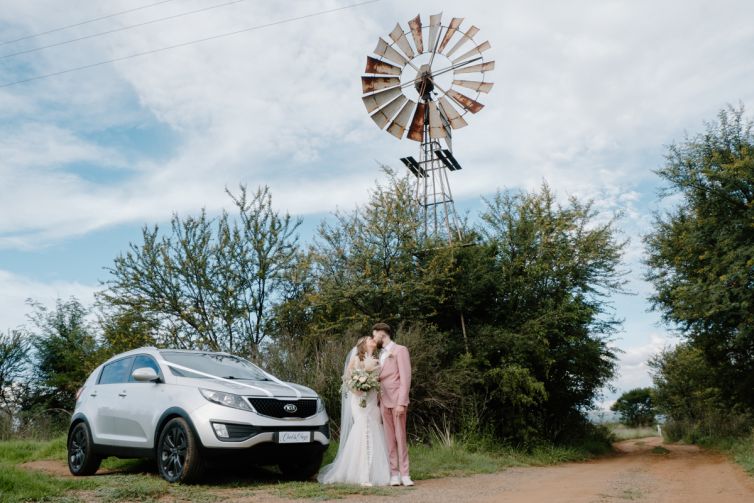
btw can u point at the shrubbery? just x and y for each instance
(701, 262)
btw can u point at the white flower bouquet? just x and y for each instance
(364, 379)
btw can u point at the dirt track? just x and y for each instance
(684, 474)
(637, 472)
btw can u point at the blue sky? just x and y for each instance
(587, 96)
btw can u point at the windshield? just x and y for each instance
(225, 366)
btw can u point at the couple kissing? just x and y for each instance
(373, 449)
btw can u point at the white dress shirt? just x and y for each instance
(386, 351)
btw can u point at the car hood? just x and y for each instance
(243, 387)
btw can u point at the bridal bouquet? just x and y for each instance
(365, 379)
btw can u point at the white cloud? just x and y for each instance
(582, 93)
(633, 368)
(16, 289)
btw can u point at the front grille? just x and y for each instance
(274, 407)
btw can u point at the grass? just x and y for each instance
(136, 480)
(740, 449)
(17, 484)
(622, 432)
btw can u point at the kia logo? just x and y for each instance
(290, 408)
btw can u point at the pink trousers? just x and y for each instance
(395, 436)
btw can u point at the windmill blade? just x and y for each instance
(476, 50)
(383, 116)
(384, 50)
(416, 32)
(416, 131)
(378, 67)
(465, 38)
(371, 84)
(436, 129)
(447, 127)
(434, 29)
(380, 99)
(400, 38)
(454, 24)
(455, 119)
(400, 123)
(482, 87)
(480, 68)
(465, 102)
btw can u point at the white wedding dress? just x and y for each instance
(362, 454)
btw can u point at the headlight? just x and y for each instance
(227, 399)
(320, 405)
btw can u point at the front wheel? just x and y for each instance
(178, 456)
(81, 457)
(303, 467)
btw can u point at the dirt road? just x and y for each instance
(642, 470)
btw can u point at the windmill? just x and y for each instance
(412, 89)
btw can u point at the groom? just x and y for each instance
(395, 382)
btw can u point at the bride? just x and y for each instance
(362, 453)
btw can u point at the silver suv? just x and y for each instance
(184, 407)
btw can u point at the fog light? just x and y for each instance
(220, 430)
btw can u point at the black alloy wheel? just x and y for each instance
(178, 452)
(81, 457)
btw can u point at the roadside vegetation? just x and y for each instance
(623, 432)
(700, 255)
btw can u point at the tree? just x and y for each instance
(546, 308)
(635, 407)
(14, 358)
(686, 392)
(374, 264)
(126, 329)
(532, 284)
(701, 253)
(209, 284)
(65, 353)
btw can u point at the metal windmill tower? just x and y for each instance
(416, 78)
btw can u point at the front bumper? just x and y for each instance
(248, 429)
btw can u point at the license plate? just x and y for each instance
(294, 437)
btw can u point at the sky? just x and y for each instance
(588, 95)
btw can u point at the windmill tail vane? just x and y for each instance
(416, 87)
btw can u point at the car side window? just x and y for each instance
(117, 371)
(141, 361)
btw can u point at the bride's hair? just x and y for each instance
(361, 347)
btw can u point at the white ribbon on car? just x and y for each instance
(235, 382)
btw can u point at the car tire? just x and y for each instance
(178, 453)
(82, 459)
(304, 467)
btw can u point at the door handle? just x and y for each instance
(93, 394)
(122, 393)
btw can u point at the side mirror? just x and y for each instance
(145, 374)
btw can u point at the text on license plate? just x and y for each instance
(294, 437)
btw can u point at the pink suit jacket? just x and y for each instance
(395, 378)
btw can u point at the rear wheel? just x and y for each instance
(303, 467)
(178, 456)
(81, 457)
